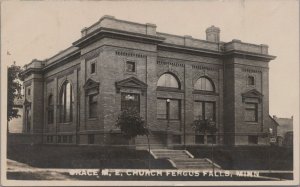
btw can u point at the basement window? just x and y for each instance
(91, 139)
(252, 139)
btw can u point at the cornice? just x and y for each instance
(189, 50)
(249, 55)
(116, 34)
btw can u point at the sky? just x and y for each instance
(40, 29)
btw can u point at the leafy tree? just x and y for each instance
(13, 90)
(132, 125)
(206, 126)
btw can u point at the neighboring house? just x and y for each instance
(273, 130)
(285, 130)
(76, 96)
(15, 125)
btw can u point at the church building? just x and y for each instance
(76, 96)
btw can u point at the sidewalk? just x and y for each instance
(20, 171)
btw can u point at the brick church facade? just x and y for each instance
(76, 96)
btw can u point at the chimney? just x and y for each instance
(213, 34)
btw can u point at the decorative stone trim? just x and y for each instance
(251, 70)
(92, 54)
(202, 92)
(170, 63)
(130, 54)
(91, 86)
(252, 94)
(131, 82)
(205, 68)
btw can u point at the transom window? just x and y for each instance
(66, 102)
(168, 80)
(204, 84)
(93, 106)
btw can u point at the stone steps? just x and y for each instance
(182, 159)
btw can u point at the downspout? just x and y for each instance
(146, 97)
(78, 108)
(184, 107)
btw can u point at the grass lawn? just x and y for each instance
(50, 156)
(247, 157)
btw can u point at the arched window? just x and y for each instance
(204, 84)
(168, 80)
(50, 110)
(251, 80)
(66, 102)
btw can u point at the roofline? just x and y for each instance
(274, 120)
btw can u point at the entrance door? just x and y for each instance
(130, 101)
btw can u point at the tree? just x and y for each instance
(206, 126)
(13, 90)
(132, 125)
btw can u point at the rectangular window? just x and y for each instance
(130, 101)
(93, 106)
(161, 109)
(28, 91)
(130, 66)
(91, 139)
(168, 110)
(174, 109)
(252, 139)
(58, 139)
(199, 139)
(204, 110)
(50, 116)
(93, 67)
(251, 112)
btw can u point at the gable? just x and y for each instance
(90, 83)
(91, 86)
(131, 82)
(252, 94)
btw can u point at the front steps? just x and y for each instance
(182, 159)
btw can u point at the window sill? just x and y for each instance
(170, 120)
(167, 89)
(65, 123)
(251, 122)
(134, 73)
(204, 92)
